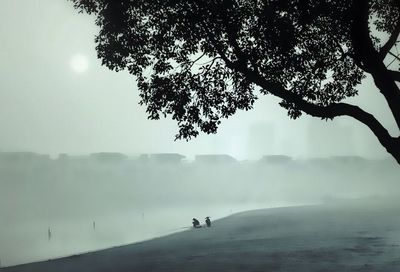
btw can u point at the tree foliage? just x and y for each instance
(202, 60)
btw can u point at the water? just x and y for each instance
(131, 202)
(25, 241)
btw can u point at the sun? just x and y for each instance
(79, 63)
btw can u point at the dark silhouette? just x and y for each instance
(208, 221)
(49, 234)
(208, 57)
(196, 223)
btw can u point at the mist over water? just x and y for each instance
(57, 207)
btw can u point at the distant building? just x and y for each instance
(63, 157)
(215, 158)
(143, 158)
(74, 159)
(23, 157)
(108, 157)
(276, 159)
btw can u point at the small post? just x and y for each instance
(94, 225)
(49, 233)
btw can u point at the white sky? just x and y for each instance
(56, 97)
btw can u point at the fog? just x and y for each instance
(58, 106)
(96, 201)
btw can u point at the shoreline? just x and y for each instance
(351, 236)
(165, 234)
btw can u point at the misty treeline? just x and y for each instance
(200, 61)
(85, 187)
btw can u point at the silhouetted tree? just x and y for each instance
(201, 60)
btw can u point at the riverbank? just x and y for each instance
(344, 236)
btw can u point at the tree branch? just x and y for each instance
(210, 66)
(357, 62)
(364, 56)
(364, 51)
(331, 111)
(395, 75)
(367, 55)
(216, 45)
(395, 56)
(193, 62)
(391, 42)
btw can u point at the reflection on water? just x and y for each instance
(23, 242)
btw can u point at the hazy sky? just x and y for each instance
(55, 97)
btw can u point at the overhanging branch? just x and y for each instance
(391, 42)
(363, 55)
(331, 111)
(366, 54)
(393, 55)
(395, 75)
